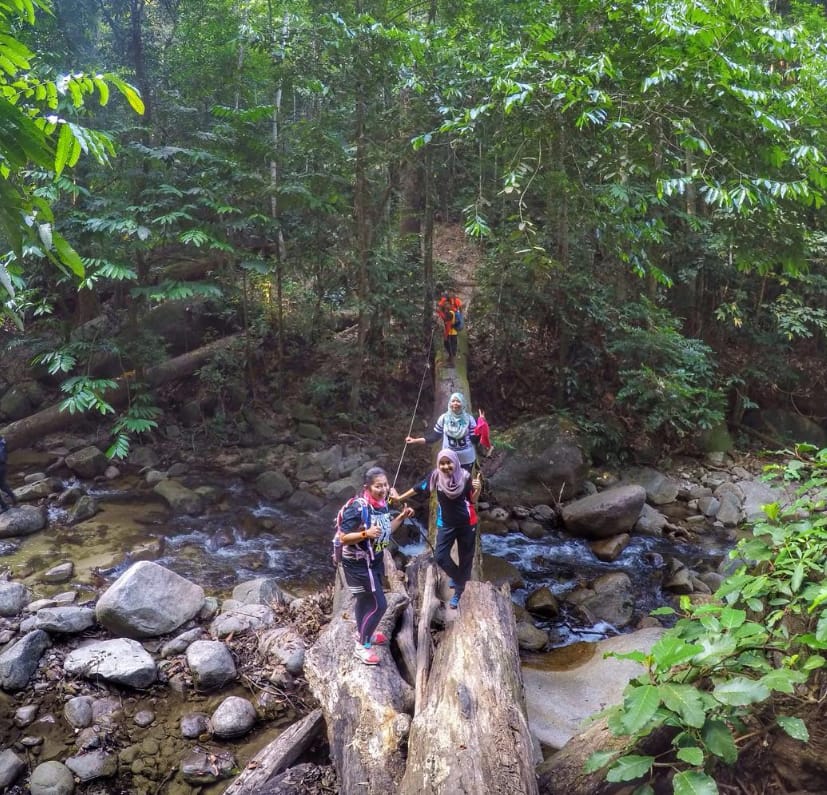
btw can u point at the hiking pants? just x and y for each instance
(4, 487)
(451, 344)
(364, 581)
(465, 538)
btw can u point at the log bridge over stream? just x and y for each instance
(444, 711)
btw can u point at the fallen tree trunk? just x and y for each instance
(276, 757)
(472, 734)
(367, 709)
(23, 433)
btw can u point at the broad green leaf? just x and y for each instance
(670, 650)
(718, 739)
(691, 782)
(783, 679)
(639, 707)
(731, 618)
(67, 255)
(740, 691)
(598, 760)
(686, 701)
(628, 768)
(795, 727)
(692, 755)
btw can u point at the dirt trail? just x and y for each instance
(452, 246)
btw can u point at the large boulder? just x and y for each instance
(543, 460)
(179, 498)
(604, 514)
(22, 521)
(122, 661)
(148, 600)
(88, 462)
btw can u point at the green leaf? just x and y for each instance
(670, 650)
(628, 768)
(686, 701)
(598, 760)
(67, 255)
(718, 739)
(692, 755)
(795, 727)
(639, 707)
(691, 782)
(740, 691)
(65, 142)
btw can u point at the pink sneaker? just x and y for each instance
(379, 639)
(367, 656)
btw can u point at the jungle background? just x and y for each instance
(643, 182)
(641, 185)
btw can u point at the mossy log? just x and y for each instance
(25, 432)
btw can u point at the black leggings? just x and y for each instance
(364, 581)
(451, 344)
(466, 539)
(4, 487)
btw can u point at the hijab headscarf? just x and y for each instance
(456, 425)
(453, 485)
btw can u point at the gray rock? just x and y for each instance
(63, 572)
(93, 765)
(606, 513)
(51, 778)
(23, 716)
(650, 522)
(179, 644)
(530, 637)
(609, 598)
(302, 500)
(273, 485)
(284, 646)
(22, 520)
(69, 620)
(11, 766)
(543, 458)
(123, 661)
(240, 619)
(78, 711)
(194, 724)
(13, 597)
(148, 600)
(179, 498)
(85, 508)
(18, 663)
(234, 717)
(660, 489)
(261, 591)
(211, 664)
(87, 463)
(200, 767)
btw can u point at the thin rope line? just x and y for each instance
(416, 406)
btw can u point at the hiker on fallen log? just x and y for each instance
(364, 530)
(458, 431)
(456, 518)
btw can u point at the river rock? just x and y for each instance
(143, 456)
(201, 767)
(650, 522)
(63, 572)
(13, 597)
(85, 508)
(148, 600)
(543, 459)
(11, 766)
(68, 620)
(606, 513)
(234, 717)
(283, 645)
(78, 711)
(609, 598)
(273, 485)
(660, 489)
(18, 663)
(51, 778)
(261, 591)
(610, 549)
(236, 619)
(194, 724)
(123, 661)
(94, 764)
(87, 463)
(179, 498)
(561, 697)
(211, 664)
(179, 644)
(22, 520)
(23, 716)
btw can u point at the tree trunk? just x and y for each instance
(472, 735)
(367, 708)
(23, 433)
(277, 756)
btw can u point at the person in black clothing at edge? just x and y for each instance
(4, 486)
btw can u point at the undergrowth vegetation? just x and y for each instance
(731, 668)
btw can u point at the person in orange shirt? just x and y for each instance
(446, 309)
